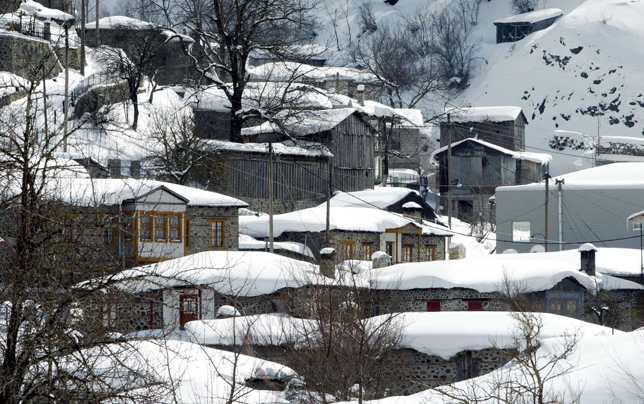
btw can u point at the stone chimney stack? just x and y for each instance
(587, 252)
(360, 91)
(327, 262)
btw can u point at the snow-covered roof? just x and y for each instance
(247, 242)
(113, 191)
(411, 205)
(445, 334)
(488, 274)
(117, 22)
(30, 7)
(541, 158)
(233, 273)
(531, 17)
(484, 114)
(310, 122)
(342, 218)
(286, 148)
(610, 176)
(410, 117)
(294, 71)
(381, 197)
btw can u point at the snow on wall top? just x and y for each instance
(484, 114)
(234, 273)
(30, 7)
(445, 334)
(531, 17)
(342, 218)
(117, 22)
(293, 71)
(247, 242)
(609, 176)
(112, 191)
(380, 198)
(487, 274)
(541, 158)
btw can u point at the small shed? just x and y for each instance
(519, 26)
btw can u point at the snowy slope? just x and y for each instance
(582, 71)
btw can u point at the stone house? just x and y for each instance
(519, 26)
(148, 221)
(478, 168)
(355, 233)
(549, 285)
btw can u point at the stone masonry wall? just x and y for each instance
(25, 56)
(200, 227)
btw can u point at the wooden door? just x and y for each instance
(189, 309)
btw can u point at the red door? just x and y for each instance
(189, 309)
(475, 306)
(434, 305)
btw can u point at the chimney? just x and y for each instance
(114, 167)
(587, 252)
(380, 259)
(360, 90)
(327, 262)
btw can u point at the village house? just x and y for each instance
(583, 206)
(546, 283)
(519, 26)
(502, 126)
(436, 348)
(404, 201)
(478, 168)
(135, 221)
(356, 233)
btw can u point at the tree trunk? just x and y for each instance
(135, 103)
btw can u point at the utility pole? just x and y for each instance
(66, 106)
(82, 61)
(98, 36)
(270, 197)
(598, 140)
(559, 183)
(547, 176)
(44, 100)
(328, 205)
(449, 172)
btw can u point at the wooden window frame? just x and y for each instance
(407, 249)
(348, 244)
(367, 251)
(213, 223)
(188, 228)
(68, 226)
(189, 296)
(431, 252)
(178, 227)
(393, 254)
(109, 314)
(158, 216)
(108, 224)
(141, 227)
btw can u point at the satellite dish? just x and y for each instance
(538, 249)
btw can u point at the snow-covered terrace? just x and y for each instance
(484, 114)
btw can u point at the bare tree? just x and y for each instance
(229, 31)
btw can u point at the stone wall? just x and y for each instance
(97, 97)
(200, 227)
(458, 299)
(281, 205)
(74, 55)
(25, 56)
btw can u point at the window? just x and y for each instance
(564, 303)
(175, 228)
(521, 232)
(635, 226)
(68, 229)
(217, 233)
(146, 227)
(407, 253)
(434, 305)
(187, 239)
(431, 252)
(108, 231)
(475, 306)
(367, 252)
(108, 312)
(347, 249)
(161, 228)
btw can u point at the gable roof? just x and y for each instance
(531, 17)
(485, 114)
(541, 158)
(113, 191)
(380, 198)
